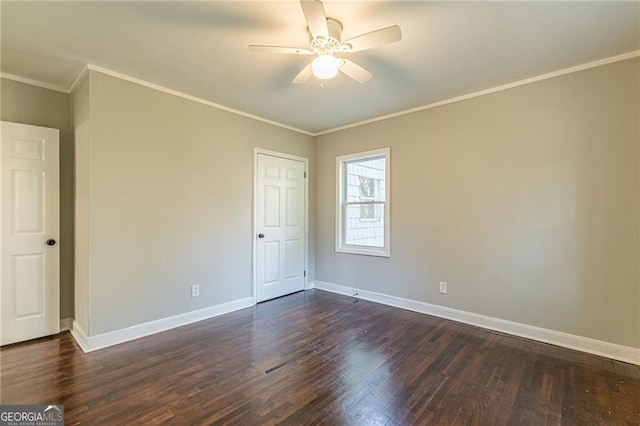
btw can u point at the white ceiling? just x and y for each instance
(200, 48)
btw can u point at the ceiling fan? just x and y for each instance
(325, 40)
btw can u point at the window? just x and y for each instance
(362, 203)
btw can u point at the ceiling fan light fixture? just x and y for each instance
(325, 66)
(325, 39)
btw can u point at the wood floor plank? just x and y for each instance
(320, 358)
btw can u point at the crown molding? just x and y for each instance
(179, 94)
(102, 70)
(577, 68)
(33, 82)
(121, 76)
(78, 79)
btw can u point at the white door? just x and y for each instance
(280, 227)
(29, 248)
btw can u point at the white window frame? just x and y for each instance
(341, 205)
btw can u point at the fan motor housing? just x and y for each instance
(321, 44)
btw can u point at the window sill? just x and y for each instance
(364, 251)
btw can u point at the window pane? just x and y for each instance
(364, 225)
(367, 212)
(365, 180)
(361, 206)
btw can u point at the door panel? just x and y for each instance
(28, 284)
(293, 201)
(280, 219)
(28, 188)
(29, 216)
(271, 207)
(271, 262)
(291, 260)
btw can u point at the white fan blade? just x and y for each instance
(313, 11)
(355, 71)
(303, 75)
(374, 39)
(280, 49)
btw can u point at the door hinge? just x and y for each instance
(305, 175)
(305, 273)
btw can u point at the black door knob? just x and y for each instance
(260, 235)
(51, 242)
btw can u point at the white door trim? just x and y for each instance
(256, 152)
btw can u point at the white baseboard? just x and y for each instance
(309, 285)
(566, 340)
(65, 324)
(80, 336)
(92, 343)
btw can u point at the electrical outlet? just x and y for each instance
(195, 290)
(443, 287)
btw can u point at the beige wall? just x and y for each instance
(525, 201)
(171, 184)
(26, 104)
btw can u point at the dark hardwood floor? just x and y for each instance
(320, 358)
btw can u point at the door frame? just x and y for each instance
(254, 232)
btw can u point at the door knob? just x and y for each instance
(260, 235)
(51, 242)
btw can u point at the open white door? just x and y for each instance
(29, 217)
(280, 226)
